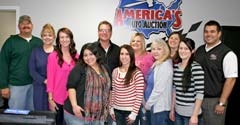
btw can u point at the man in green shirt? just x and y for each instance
(15, 80)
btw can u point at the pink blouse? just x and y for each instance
(144, 62)
(57, 77)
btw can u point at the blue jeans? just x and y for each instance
(160, 118)
(109, 120)
(121, 117)
(21, 97)
(183, 120)
(73, 120)
(144, 117)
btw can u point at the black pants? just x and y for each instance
(59, 115)
(5, 104)
(121, 117)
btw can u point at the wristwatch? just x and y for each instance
(221, 104)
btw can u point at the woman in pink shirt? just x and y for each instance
(60, 63)
(143, 60)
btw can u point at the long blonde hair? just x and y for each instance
(164, 45)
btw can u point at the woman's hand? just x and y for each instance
(172, 115)
(113, 117)
(130, 121)
(77, 110)
(193, 120)
(52, 105)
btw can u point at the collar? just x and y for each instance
(210, 48)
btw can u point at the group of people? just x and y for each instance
(174, 83)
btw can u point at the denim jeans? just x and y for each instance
(109, 120)
(144, 117)
(160, 118)
(21, 97)
(73, 120)
(121, 117)
(183, 120)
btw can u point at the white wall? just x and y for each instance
(83, 16)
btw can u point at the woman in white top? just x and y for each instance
(159, 84)
(127, 88)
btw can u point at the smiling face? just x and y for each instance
(157, 51)
(138, 43)
(174, 41)
(89, 58)
(184, 52)
(48, 34)
(48, 38)
(25, 27)
(104, 32)
(124, 56)
(64, 40)
(211, 35)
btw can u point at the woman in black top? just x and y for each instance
(88, 88)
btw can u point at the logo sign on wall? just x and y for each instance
(149, 16)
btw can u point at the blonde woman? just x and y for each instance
(159, 84)
(38, 68)
(144, 61)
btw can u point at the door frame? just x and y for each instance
(12, 8)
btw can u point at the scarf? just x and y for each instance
(96, 96)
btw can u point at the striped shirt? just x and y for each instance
(127, 98)
(185, 100)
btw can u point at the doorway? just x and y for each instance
(8, 22)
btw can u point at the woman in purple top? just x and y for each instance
(144, 60)
(60, 63)
(38, 68)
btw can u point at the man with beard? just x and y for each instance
(15, 81)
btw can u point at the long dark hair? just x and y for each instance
(187, 73)
(91, 47)
(72, 49)
(132, 67)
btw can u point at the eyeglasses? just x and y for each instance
(104, 30)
